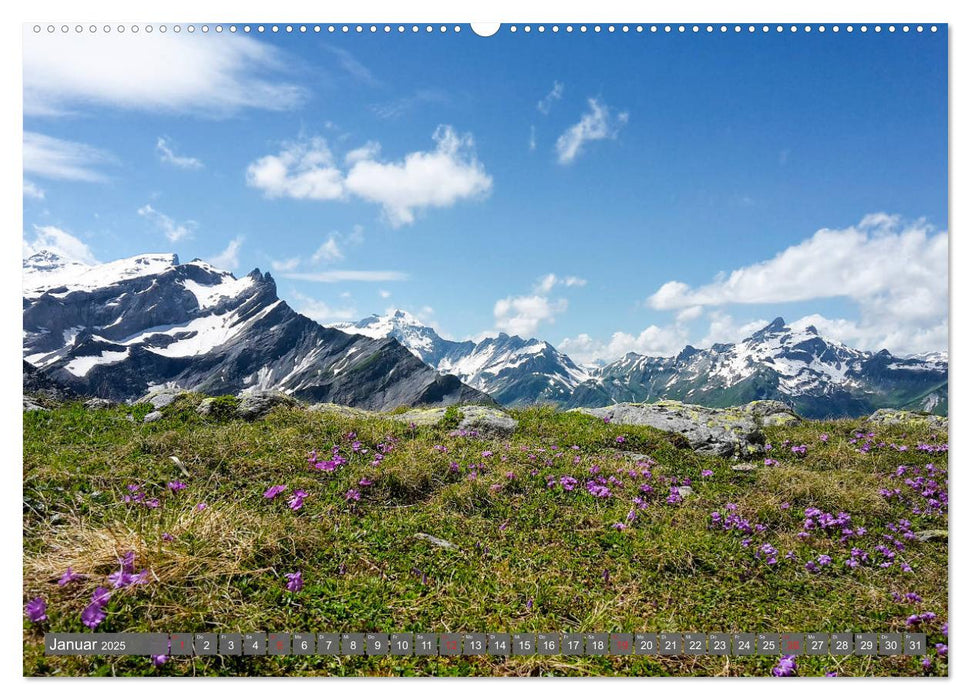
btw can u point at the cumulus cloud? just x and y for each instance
(896, 272)
(173, 230)
(213, 75)
(437, 178)
(57, 159)
(302, 170)
(723, 328)
(554, 95)
(654, 340)
(522, 315)
(422, 179)
(228, 258)
(596, 124)
(167, 155)
(59, 242)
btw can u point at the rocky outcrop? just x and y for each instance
(892, 416)
(711, 431)
(478, 420)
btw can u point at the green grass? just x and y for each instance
(527, 557)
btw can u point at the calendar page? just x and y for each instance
(448, 349)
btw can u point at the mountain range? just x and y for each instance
(819, 377)
(120, 329)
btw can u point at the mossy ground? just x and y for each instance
(528, 557)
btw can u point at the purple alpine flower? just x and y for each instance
(296, 502)
(36, 610)
(177, 486)
(785, 667)
(100, 596)
(68, 577)
(274, 491)
(93, 615)
(352, 495)
(159, 659)
(294, 581)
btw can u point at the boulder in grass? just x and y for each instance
(894, 416)
(98, 404)
(709, 431)
(256, 404)
(152, 417)
(484, 421)
(160, 398)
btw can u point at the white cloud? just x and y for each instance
(368, 151)
(322, 312)
(437, 178)
(384, 293)
(302, 170)
(307, 169)
(653, 340)
(167, 155)
(228, 259)
(173, 230)
(349, 276)
(59, 242)
(329, 251)
(723, 328)
(354, 67)
(595, 125)
(554, 95)
(690, 313)
(32, 191)
(398, 107)
(545, 284)
(213, 75)
(895, 272)
(522, 315)
(285, 265)
(57, 159)
(532, 138)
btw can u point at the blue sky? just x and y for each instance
(606, 192)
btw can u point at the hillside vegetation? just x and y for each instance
(570, 525)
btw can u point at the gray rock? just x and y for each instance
(160, 398)
(437, 541)
(98, 404)
(636, 456)
(744, 467)
(205, 407)
(931, 535)
(484, 420)
(152, 417)
(256, 404)
(31, 405)
(685, 491)
(711, 431)
(339, 410)
(894, 416)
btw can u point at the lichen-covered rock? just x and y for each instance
(339, 410)
(894, 416)
(152, 417)
(98, 404)
(256, 404)
(31, 405)
(714, 431)
(160, 398)
(931, 536)
(481, 420)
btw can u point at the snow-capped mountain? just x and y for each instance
(792, 363)
(513, 370)
(118, 329)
